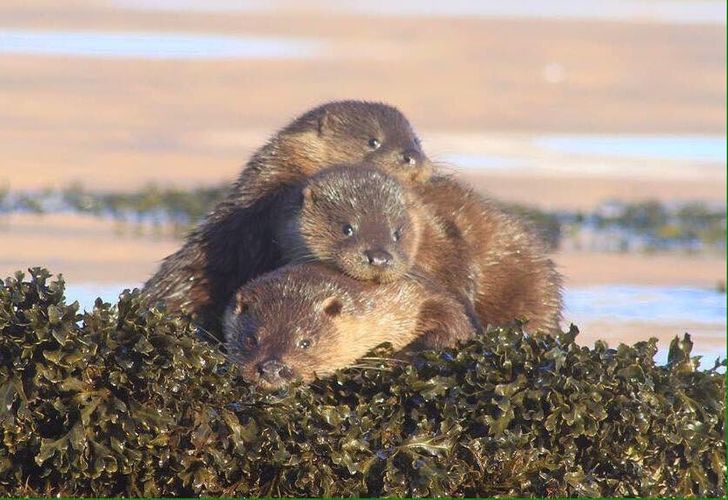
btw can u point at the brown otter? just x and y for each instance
(514, 278)
(364, 223)
(354, 218)
(232, 244)
(308, 320)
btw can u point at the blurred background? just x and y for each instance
(603, 123)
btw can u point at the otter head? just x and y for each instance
(357, 131)
(356, 219)
(282, 327)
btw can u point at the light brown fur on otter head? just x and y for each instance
(233, 244)
(355, 218)
(308, 320)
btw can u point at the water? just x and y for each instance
(154, 45)
(593, 152)
(647, 303)
(612, 303)
(664, 11)
(615, 304)
(686, 148)
(87, 293)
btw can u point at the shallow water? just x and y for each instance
(646, 303)
(595, 151)
(663, 11)
(658, 306)
(687, 148)
(154, 45)
(610, 303)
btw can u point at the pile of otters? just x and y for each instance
(340, 235)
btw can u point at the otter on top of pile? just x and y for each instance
(232, 244)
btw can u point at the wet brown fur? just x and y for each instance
(342, 319)
(376, 205)
(514, 278)
(233, 243)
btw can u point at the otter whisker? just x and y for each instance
(210, 337)
(424, 278)
(216, 343)
(387, 360)
(371, 367)
(306, 259)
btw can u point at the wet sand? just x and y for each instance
(82, 248)
(122, 123)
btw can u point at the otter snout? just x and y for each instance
(378, 257)
(274, 371)
(412, 157)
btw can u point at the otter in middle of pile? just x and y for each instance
(365, 223)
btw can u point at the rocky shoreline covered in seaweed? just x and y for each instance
(125, 400)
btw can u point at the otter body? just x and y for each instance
(305, 320)
(514, 278)
(232, 244)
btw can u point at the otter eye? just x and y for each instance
(304, 343)
(397, 235)
(347, 230)
(374, 143)
(409, 159)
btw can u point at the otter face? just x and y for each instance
(358, 220)
(356, 131)
(279, 332)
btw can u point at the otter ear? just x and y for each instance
(332, 307)
(325, 122)
(306, 194)
(241, 303)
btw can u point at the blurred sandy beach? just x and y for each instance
(622, 101)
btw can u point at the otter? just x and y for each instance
(355, 218)
(306, 320)
(232, 244)
(365, 223)
(514, 278)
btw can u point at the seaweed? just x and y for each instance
(125, 400)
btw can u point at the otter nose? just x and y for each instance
(273, 369)
(378, 258)
(411, 157)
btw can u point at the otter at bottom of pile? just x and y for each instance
(308, 320)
